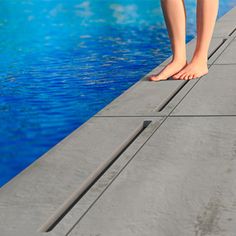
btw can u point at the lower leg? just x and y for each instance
(206, 16)
(175, 19)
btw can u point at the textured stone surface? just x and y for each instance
(223, 28)
(182, 182)
(214, 94)
(229, 55)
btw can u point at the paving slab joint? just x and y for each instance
(92, 179)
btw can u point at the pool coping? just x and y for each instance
(168, 94)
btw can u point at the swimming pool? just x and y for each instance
(63, 61)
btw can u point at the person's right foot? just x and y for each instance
(172, 68)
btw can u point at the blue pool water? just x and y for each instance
(63, 61)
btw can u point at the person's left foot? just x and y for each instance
(195, 69)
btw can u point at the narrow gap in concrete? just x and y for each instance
(168, 100)
(217, 48)
(232, 31)
(171, 97)
(91, 180)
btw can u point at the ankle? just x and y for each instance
(179, 60)
(199, 58)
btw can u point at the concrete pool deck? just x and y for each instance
(160, 159)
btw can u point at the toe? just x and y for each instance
(182, 76)
(183, 73)
(186, 77)
(177, 75)
(153, 78)
(190, 77)
(165, 77)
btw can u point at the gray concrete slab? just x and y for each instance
(37, 192)
(182, 182)
(19, 220)
(223, 28)
(229, 55)
(214, 94)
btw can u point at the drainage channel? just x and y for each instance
(232, 31)
(91, 180)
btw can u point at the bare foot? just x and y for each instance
(195, 69)
(172, 68)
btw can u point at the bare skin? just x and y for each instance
(206, 17)
(175, 18)
(169, 70)
(195, 69)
